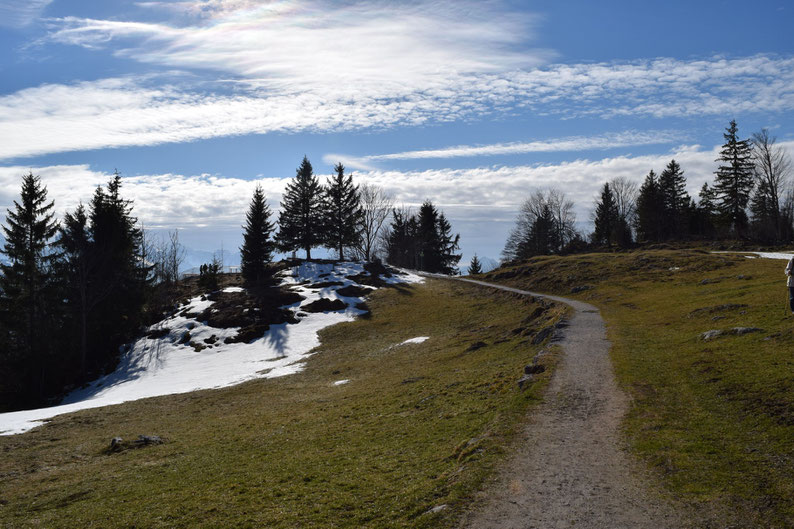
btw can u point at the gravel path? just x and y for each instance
(570, 469)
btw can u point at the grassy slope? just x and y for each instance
(714, 419)
(416, 427)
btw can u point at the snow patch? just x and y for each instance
(418, 339)
(164, 366)
(341, 382)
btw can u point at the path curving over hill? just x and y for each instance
(570, 469)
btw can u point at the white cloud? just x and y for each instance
(481, 202)
(575, 143)
(135, 111)
(335, 48)
(16, 13)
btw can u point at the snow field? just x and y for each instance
(162, 366)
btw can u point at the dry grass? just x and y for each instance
(416, 427)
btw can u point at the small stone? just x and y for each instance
(542, 335)
(710, 335)
(437, 509)
(534, 369)
(115, 443)
(741, 331)
(525, 381)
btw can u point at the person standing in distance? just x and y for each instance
(790, 283)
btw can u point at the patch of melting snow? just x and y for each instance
(341, 382)
(762, 255)
(418, 339)
(164, 366)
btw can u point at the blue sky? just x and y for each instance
(473, 105)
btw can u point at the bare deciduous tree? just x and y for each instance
(772, 168)
(531, 210)
(625, 192)
(377, 206)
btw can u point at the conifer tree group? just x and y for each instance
(423, 241)
(70, 295)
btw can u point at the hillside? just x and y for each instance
(704, 345)
(394, 420)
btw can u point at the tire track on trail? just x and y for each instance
(570, 468)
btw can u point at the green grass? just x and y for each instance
(417, 426)
(715, 420)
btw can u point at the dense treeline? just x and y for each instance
(750, 199)
(73, 294)
(423, 241)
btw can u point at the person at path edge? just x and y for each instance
(789, 273)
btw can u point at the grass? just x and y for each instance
(713, 419)
(418, 426)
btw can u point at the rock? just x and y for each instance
(534, 369)
(437, 509)
(475, 346)
(115, 443)
(542, 335)
(580, 288)
(149, 440)
(324, 305)
(717, 318)
(354, 291)
(709, 281)
(525, 381)
(736, 331)
(710, 335)
(741, 331)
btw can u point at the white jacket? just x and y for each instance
(790, 272)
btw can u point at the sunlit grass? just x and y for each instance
(714, 419)
(416, 427)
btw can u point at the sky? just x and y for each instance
(472, 105)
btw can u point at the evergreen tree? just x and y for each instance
(398, 240)
(77, 266)
(343, 213)
(120, 278)
(429, 239)
(449, 244)
(301, 218)
(256, 253)
(734, 180)
(475, 267)
(705, 212)
(607, 222)
(422, 242)
(649, 210)
(27, 285)
(675, 202)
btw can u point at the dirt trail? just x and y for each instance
(570, 469)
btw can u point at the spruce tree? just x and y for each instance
(120, 279)
(649, 210)
(301, 218)
(606, 218)
(77, 266)
(27, 284)
(449, 244)
(342, 211)
(428, 238)
(256, 253)
(475, 267)
(706, 211)
(674, 201)
(734, 180)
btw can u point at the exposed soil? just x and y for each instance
(570, 468)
